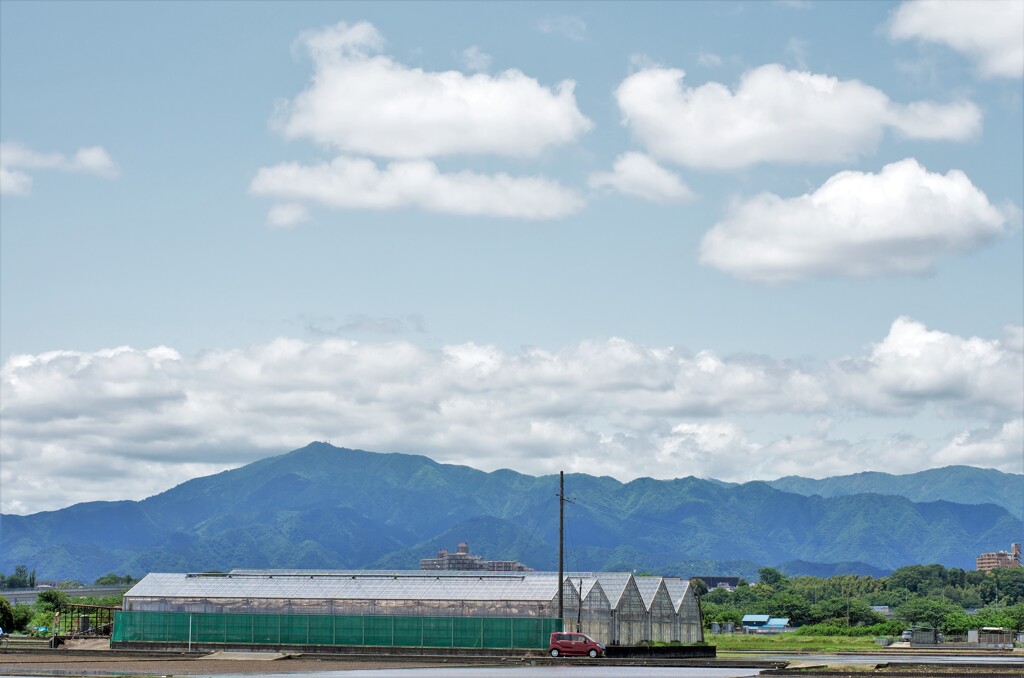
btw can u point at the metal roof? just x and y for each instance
(350, 586)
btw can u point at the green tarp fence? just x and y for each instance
(373, 631)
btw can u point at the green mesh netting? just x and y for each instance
(286, 629)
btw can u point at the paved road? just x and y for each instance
(871, 659)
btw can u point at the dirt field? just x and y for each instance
(64, 664)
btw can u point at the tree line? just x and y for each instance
(949, 599)
(38, 618)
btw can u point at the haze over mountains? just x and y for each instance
(964, 484)
(322, 506)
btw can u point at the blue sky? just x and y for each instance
(738, 240)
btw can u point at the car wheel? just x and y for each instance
(554, 652)
(593, 654)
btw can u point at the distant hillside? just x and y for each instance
(322, 506)
(963, 484)
(800, 568)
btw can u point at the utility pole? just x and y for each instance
(579, 610)
(561, 547)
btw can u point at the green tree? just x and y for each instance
(6, 615)
(993, 616)
(20, 578)
(719, 596)
(51, 600)
(919, 579)
(22, 614)
(957, 622)
(846, 610)
(720, 613)
(1016, 615)
(796, 608)
(698, 586)
(112, 579)
(771, 577)
(931, 611)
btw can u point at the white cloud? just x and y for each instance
(16, 159)
(362, 102)
(796, 50)
(571, 27)
(998, 446)
(287, 215)
(13, 182)
(776, 115)
(467, 403)
(709, 59)
(900, 220)
(476, 59)
(357, 183)
(989, 32)
(637, 174)
(127, 423)
(914, 365)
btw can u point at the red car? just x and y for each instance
(574, 645)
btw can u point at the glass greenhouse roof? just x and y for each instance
(313, 585)
(677, 590)
(648, 587)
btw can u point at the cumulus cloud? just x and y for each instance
(475, 59)
(363, 102)
(144, 419)
(915, 365)
(357, 183)
(986, 31)
(998, 446)
(709, 59)
(16, 160)
(776, 115)
(571, 27)
(287, 215)
(900, 220)
(638, 175)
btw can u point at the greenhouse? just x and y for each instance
(396, 608)
(661, 612)
(593, 615)
(629, 614)
(689, 626)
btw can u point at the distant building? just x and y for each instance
(462, 559)
(991, 561)
(755, 621)
(727, 583)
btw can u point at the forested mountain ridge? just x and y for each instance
(964, 484)
(322, 506)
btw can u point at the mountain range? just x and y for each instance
(964, 484)
(326, 507)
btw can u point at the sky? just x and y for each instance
(736, 240)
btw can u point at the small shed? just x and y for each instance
(754, 621)
(995, 635)
(775, 625)
(923, 635)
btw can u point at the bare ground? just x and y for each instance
(61, 664)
